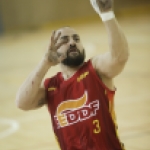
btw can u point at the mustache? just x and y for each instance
(73, 49)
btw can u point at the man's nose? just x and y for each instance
(72, 43)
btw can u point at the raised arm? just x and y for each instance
(31, 94)
(112, 62)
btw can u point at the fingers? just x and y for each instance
(53, 38)
(60, 44)
(101, 6)
(55, 44)
(56, 39)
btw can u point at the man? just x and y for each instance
(80, 98)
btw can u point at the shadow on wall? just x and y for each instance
(22, 14)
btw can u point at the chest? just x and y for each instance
(83, 91)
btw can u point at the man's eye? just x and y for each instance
(64, 40)
(77, 39)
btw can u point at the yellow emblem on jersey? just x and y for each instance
(82, 76)
(51, 89)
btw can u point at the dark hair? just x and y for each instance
(76, 61)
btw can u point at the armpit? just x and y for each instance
(41, 103)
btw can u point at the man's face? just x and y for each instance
(72, 49)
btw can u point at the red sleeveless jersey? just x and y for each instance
(82, 111)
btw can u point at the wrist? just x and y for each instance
(46, 62)
(106, 16)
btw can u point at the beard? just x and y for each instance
(74, 61)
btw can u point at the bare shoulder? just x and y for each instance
(107, 65)
(105, 79)
(99, 64)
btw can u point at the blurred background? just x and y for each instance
(25, 29)
(30, 14)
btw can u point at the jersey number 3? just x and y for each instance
(97, 128)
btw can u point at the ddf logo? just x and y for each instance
(73, 111)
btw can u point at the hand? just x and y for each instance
(53, 57)
(102, 6)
